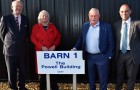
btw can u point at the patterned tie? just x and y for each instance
(17, 22)
(124, 38)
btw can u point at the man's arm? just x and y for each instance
(2, 29)
(111, 42)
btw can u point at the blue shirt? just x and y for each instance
(92, 39)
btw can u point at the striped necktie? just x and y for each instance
(17, 22)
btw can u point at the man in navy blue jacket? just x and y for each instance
(97, 41)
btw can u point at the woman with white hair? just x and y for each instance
(45, 37)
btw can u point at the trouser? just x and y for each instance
(125, 63)
(16, 71)
(97, 63)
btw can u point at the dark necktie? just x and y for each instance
(17, 22)
(124, 38)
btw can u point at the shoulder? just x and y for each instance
(86, 23)
(104, 24)
(136, 21)
(6, 18)
(117, 23)
(9, 15)
(37, 25)
(25, 19)
(51, 24)
(23, 16)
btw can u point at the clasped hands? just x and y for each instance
(73, 49)
(48, 49)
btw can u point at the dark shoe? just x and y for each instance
(42, 89)
(23, 89)
(13, 89)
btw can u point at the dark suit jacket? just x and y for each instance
(134, 37)
(106, 41)
(14, 42)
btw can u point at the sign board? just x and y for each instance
(60, 62)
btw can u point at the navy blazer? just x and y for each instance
(106, 41)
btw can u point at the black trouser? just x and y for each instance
(126, 63)
(53, 82)
(16, 70)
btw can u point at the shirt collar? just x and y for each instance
(97, 24)
(19, 16)
(128, 20)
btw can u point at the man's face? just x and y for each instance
(17, 8)
(125, 12)
(94, 17)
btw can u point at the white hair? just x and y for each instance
(94, 9)
(16, 1)
(39, 16)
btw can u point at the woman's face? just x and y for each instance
(44, 17)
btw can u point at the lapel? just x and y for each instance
(131, 29)
(118, 30)
(85, 30)
(13, 24)
(22, 23)
(101, 30)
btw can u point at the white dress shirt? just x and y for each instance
(128, 32)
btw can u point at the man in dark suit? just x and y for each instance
(97, 42)
(13, 33)
(127, 34)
